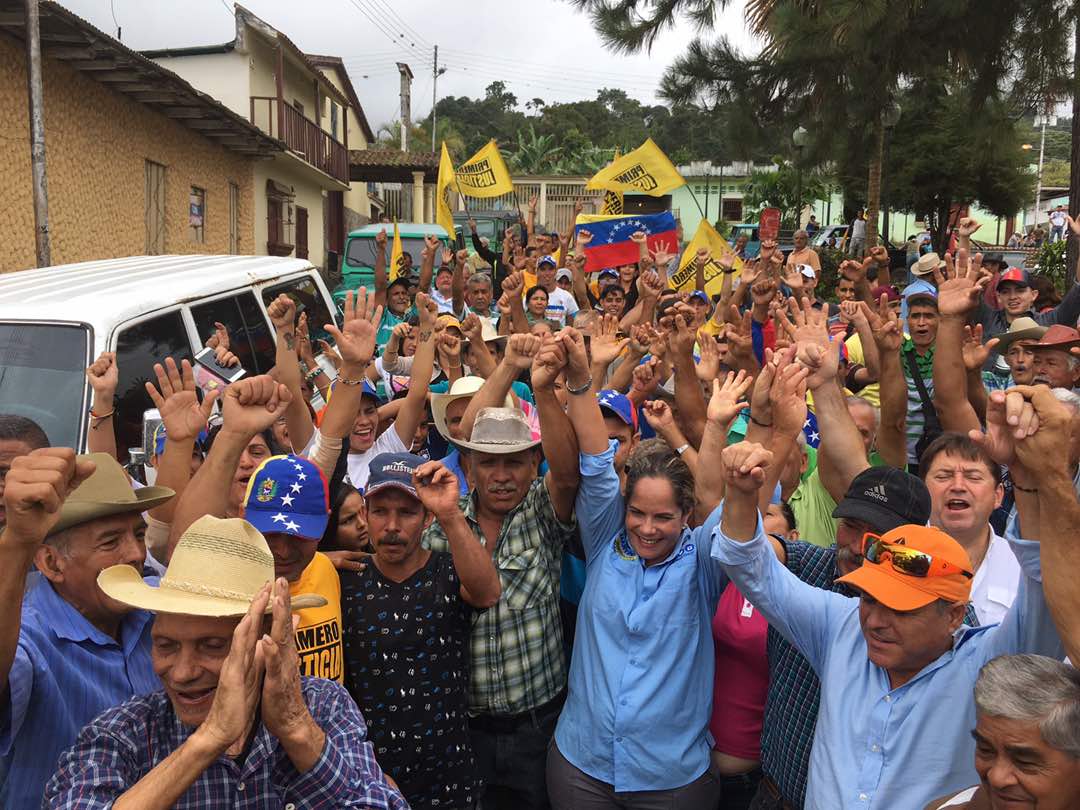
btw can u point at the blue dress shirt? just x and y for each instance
(65, 673)
(874, 746)
(640, 693)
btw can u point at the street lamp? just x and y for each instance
(799, 138)
(890, 117)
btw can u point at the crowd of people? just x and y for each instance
(549, 538)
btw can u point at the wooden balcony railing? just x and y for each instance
(301, 134)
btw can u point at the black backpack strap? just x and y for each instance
(928, 409)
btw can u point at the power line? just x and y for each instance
(568, 83)
(561, 66)
(374, 20)
(404, 25)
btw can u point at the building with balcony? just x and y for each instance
(308, 103)
(138, 160)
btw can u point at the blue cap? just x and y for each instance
(608, 272)
(547, 260)
(392, 470)
(619, 405)
(704, 296)
(288, 495)
(159, 439)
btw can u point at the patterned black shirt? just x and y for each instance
(407, 667)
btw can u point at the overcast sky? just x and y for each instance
(540, 48)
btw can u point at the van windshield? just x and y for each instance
(42, 377)
(361, 251)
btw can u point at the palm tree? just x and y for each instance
(535, 154)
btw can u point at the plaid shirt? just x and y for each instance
(516, 651)
(791, 705)
(123, 744)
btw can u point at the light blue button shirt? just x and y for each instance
(877, 747)
(640, 694)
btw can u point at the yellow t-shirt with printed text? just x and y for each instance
(318, 636)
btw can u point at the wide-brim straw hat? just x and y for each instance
(219, 566)
(499, 431)
(462, 388)
(1020, 329)
(105, 493)
(927, 264)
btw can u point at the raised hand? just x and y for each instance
(35, 488)
(282, 708)
(966, 227)
(1074, 225)
(646, 376)
(521, 348)
(427, 311)
(184, 418)
(662, 255)
(548, 364)
(220, 338)
(583, 238)
(744, 467)
(885, 324)
(650, 285)
(879, 255)
(658, 414)
(471, 327)
(1040, 444)
(787, 396)
(727, 399)
(974, 351)
(1004, 414)
(763, 291)
(447, 257)
(356, 339)
(768, 248)
(961, 292)
(303, 341)
(437, 488)
(503, 305)
(514, 284)
(533, 202)
(282, 312)
(853, 270)
(330, 353)
(380, 239)
(577, 358)
(606, 345)
(252, 405)
(708, 367)
(740, 338)
(813, 348)
(637, 237)
(104, 376)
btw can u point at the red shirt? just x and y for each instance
(742, 676)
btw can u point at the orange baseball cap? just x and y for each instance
(948, 576)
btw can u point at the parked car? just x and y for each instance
(358, 263)
(54, 321)
(897, 255)
(750, 231)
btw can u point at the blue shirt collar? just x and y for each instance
(626, 550)
(67, 623)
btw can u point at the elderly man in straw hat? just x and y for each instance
(235, 724)
(67, 650)
(518, 665)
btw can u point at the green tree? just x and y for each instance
(535, 154)
(781, 189)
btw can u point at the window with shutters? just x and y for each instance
(279, 218)
(301, 233)
(732, 210)
(154, 177)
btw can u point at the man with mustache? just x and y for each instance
(408, 618)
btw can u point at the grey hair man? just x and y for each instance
(1027, 736)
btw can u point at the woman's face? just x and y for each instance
(627, 273)
(408, 343)
(654, 521)
(538, 302)
(352, 533)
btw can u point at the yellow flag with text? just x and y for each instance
(646, 170)
(708, 238)
(484, 174)
(613, 200)
(395, 254)
(443, 214)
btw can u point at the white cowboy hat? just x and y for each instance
(463, 388)
(218, 567)
(499, 431)
(926, 264)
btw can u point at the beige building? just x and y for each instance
(138, 161)
(302, 194)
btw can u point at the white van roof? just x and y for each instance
(132, 286)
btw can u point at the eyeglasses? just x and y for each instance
(906, 560)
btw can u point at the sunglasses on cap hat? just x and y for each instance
(907, 560)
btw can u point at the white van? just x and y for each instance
(54, 321)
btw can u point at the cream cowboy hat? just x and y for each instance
(107, 492)
(463, 388)
(218, 567)
(927, 264)
(499, 431)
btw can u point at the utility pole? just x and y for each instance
(42, 243)
(436, 72)
(1038, 181)
(406, 93)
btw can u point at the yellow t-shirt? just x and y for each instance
(871, 393)
(318, 636)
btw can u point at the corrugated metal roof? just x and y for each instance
(131, 286)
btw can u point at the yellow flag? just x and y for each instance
(613, 200)
(443, 214)
(395, 254)
(485, 174)
(705, 237)
(646, 170)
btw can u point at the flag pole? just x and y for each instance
(693, 196)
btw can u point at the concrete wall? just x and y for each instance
(357, 204)
(283, 169)
(97, 143)
(223, 76)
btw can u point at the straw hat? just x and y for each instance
(218, 567)
(463, 388)
(107, 492)
(499, 431)
(1020, 329)
(927, 264)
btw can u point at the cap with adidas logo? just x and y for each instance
(884, 498)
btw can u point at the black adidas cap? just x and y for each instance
(885, 497)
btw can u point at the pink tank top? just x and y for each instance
(742, 676)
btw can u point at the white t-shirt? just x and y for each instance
(444, 303)
(1057, 218)
(387, 442)
(996, 581)
(858, 229)
(560, 305)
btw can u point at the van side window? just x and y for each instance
(249, 333)
(308, 299)
(138, 347)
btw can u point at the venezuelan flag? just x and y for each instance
(611, 245)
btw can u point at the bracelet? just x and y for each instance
(101, 415)
(584, 389)
(311, 375)
(682, 448)
(758, 422)
(1016, 486)
(345, 381)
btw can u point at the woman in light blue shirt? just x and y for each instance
(637, 710)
